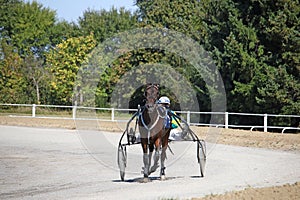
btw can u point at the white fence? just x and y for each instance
(113, 116)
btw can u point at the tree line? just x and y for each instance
(254, 44)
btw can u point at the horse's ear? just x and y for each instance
(145, 88)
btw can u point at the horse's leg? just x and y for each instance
(165, 141)
(162, 168)
(144, 142)
(151, 148)
(156, 155)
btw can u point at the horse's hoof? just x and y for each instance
(146, 180)
(145, 171)
(163, 177)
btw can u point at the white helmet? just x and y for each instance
(164, 99)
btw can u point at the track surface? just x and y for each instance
(38, 163)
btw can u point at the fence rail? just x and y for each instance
(112, 117)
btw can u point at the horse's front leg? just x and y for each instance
(146, 159)
(151, 148)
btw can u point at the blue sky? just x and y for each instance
(71, 10)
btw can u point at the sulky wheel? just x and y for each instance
(122, 156)
(201, 156)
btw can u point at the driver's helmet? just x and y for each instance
(164, 100)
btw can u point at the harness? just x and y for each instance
(159, 115)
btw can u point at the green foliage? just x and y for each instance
(12, 83)
(37, 78)
(64, 62)
(256, 46)
(26, 25)
(104, 24)
(184, 17)
(179, 15)
(62, 30)
(254, 43)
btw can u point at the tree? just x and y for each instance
(252, 42)
(64, 62)
(12, 83)
(37, 76)
(104, 24)
(62, 30)
(28, 31)
(256, 46)
(26, 26)
(178, 15)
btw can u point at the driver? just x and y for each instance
(170, 122)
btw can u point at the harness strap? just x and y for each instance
(144, 124)
(153, 125)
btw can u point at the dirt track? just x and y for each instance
(286, 142)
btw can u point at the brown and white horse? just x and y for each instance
(154, 135)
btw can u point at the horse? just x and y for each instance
(154, 134)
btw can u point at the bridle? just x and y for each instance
(151, 93)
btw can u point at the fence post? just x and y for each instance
(226, 120)
(265, 122)
(74, 112)
(112, 114)
(188, 117)
(33, 110)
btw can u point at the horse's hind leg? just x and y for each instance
(162, 169)
(156, 155)
(151, 149)
(155, 159)
(165, 141)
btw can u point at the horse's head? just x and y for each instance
(151, 94)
